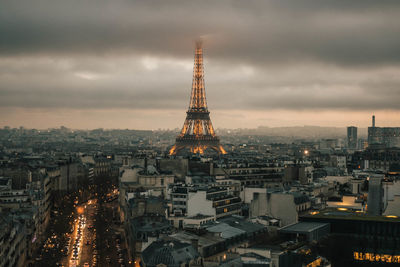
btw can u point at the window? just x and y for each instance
(225, 210)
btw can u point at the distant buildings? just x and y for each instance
(377, 159)
(386, 136)
(242, 209)
(297, 172)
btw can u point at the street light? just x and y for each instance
(80, 210)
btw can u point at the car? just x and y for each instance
(86, 264)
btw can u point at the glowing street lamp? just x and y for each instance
(80, 210)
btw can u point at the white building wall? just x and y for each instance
(258, 206)
(198, 204)
(282, 206)
(277, 205)
(247, 195)
(129, 175)
(393, 207)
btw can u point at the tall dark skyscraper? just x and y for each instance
(352, 137)
(197, 133)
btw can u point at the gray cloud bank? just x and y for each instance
(294, 55)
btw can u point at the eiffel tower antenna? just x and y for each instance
(197, 132)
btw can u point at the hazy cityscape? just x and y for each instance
(201, 134)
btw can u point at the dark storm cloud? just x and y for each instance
(67, 84)
(259, 32)
(125, 83)
(260, 55)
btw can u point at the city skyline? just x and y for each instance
(129, 65)
(199, 133)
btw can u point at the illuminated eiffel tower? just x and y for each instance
(197, 133)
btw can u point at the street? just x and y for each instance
(87, 233)
(96, 239)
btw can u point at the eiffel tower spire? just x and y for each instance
(197, 132)
(198, 98)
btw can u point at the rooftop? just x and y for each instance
(241, 223)
(204, 240)
(226, 230)
(303, 227)
(200, 216)
(168, 252)
(346, 214)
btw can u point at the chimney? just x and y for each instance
(373, 120)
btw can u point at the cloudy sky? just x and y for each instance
(128, 64)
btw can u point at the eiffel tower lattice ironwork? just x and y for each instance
(197, 132)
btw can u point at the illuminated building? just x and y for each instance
(358, 239)
(197, 132)
(373, 257)
(309, 231)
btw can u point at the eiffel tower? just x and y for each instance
(197, 132)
